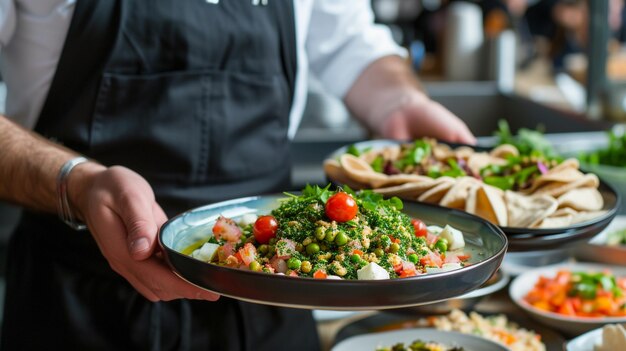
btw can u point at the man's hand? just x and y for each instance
(416, 116)
(119, 208)
(387, 98)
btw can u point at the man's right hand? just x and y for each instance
(120, 210)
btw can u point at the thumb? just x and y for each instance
(141, 228)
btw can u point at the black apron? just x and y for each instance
(195, 97)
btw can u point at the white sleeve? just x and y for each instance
(343, 39)
(7, 21)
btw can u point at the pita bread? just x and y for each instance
(557, 189)
(566, 172)
(556, 222)
(359, 170)
(458, 193)
(409, 190)
(391, 152)
(487, 202)
(582, 199)
(503, 151)
(436, 193)
(528, 211)
(442, 152)
(478, 161)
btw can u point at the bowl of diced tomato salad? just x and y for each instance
(573, 297)
(333, 249)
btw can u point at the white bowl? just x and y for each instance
(570, 326)
(585, 342)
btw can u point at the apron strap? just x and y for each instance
(85, 52)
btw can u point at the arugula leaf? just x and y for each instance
(372, 201)
(455, 170)
(352, 150)
(527, 141)
(418, 152)
(378, 164)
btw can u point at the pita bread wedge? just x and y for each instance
(397, 179)
(503, 151)
(458, 193)
(487, 202)
(528, 211)
(582, 199)
(480, 160)
(555, 222)
(359, 170)
(436, 193)
(557, 189)
(336, 173)
(408, 190)
(442, 152)
(584, 216)
(558, 174)
(391, 152)
(464, 152)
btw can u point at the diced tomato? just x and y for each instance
(408, 270)
(567, 308)
(320, 274)
(431, 239)
(431, 260)
(463, 256)
(226, 229)
(247, 253)
(224, 251)
(357, 252)
(419, 228)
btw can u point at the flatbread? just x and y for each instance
(458, 193)
(436, 193)
(557, 189)
(478, 161)
(359, 170)
(503, 151)
(528, 211)
(582, 199)
(409, 190)
(487, 202)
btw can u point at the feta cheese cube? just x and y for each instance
(372, 271)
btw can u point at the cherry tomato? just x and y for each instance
(419, 227)
(264, 229)
(341, 207)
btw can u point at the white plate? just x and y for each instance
(596, 249)
(585, 342)
(568, 325)
(369, 342)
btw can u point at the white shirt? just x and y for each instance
(336, 39)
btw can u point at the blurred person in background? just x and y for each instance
(173, 104)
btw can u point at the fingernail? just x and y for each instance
(139, 245)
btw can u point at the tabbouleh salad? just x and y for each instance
(339, 234)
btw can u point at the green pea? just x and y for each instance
(255, 266)
(379, 252)
(393, 248)
(355, 258)
(414, 258)
(442, 245)
(294, 263)
(312, 248)
(263, 249)
(320, 233)
(385, 241)
(273, 241)
(341, 239)
(363, 263)
(330, 236)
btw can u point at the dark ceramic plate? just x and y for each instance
(485, 241)
(524, 239)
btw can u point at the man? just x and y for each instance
(175, 104)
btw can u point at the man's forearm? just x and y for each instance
(29, 165)
(381, 87)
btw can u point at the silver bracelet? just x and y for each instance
(65, 212)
